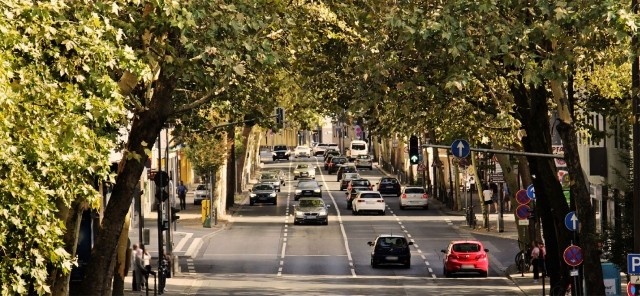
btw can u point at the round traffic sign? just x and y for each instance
(460, 148)
(358, 131)
(571, 221)
(522, 197)
(631, 289)
(523, 211)
(573, 255)
(531, 192)
(161, 179)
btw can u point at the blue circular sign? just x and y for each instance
(571, 221)
(460, 148)
(531, 192)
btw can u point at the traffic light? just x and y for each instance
(174, 217)
(280, 117)
(414, 150)
(162, 194)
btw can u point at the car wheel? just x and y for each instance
(295, 222)
(382, 212)
(295, 178)
(402, 207)
(371, 168)
(483, 274)
(407, 265)
(374, 264)
(275, 202)
(426, 207)
(325, 222)
(354, 212)
(446, 273)
(251, 203)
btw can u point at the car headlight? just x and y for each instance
(287, 153)
(272, 195)
(316, 190)
(298, 191)
(299, 214)
(252, 195)
(323, 213)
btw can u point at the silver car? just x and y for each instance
(304, 170)
(364, 161)
(271, 179)
(201, 193)
(311, 210)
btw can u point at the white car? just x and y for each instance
(201, 193)
(302, 151)
(414, 196)
(322, 147)
(304, 170)
(364, 161)
(368, 201)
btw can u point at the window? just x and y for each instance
(414, 190)
(201, 187)
(263, 187)
(311, 203)
(370, 195)
(358, 146)
(389, 181)
(466, 248)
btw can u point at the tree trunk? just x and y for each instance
(121, 268)
(246, 131)
(144, 129)
(231, 168)
(73, 217)
(532, 109)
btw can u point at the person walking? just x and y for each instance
(487, 195)
(535, 258)
(134, 253)
(182, 195)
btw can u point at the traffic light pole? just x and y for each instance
(159, 201)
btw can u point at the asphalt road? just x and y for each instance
(261, 252)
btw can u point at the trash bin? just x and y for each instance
(611, 276)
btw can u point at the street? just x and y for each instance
(261, 252)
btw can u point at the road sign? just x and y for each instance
(161, 179)
(571, 221)
(460, 148)
(414, 158)
(633, 263)
(573, 255)
(420, 167)
(523, 211)
(358, 131)
(531, 192)
(631, 289)
(522, 198)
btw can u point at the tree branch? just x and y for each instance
(199, 102)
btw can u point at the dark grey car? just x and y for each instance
(311, 210)
(263, 193)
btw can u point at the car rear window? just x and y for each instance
(389, 181)
(350, 169)
(303, 166)
(360, 183)
(370, 195)
(339, 160)
(466, 247)
(358, 146)
(414, 190)
(392, 242)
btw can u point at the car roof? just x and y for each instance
(369, 191)
(466, 242)
(391, 235)
(311, 198)
(263, 183)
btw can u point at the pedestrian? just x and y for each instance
(535, 257)
(494, 197)
(182, 194)
(134, 282)
(143, 265)
(487, 195)
(507, 197)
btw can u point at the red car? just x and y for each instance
(465, 256)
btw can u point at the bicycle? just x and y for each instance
(472, 221)
(523, 258)
(558, 289)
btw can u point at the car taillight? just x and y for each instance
(424, 196)
(380, 200)
(453, 256)
(481, 256)
(360, 200)
(404, 195)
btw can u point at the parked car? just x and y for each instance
(304, 170)
(307, 188)
(271, 179)
(351, 195)
(346, 178)
(280, 152)
(311, 210)
(345, 168)
(364, 161)
(302, 151)
(414, 196)
(389, 185)
(368, 201)
(279, 174)
(465, 256)
(335, 163)
(263, 192)
(390, 249)
(201, 193)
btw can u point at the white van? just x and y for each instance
(356, 148)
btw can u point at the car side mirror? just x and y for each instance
(250, 189)
(486, 250)
(320, 185)
(410, 243)
(328, 206)
(443, 251)
(370, 243)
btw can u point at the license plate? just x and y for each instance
(392, 258)
(370, 202)
(389, 186)
(468, 266)
(310, 217)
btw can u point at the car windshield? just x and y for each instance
(262, 187)
(358, 146)
(360, 183)
(201, 187)
(267, 177)
(338, 160)
(307, 185)
(466, 247)
(279, 147)
(414, 190)
(370, 195)
(396, 242)
(311, 203)
(350, 169)
(389, 181)
(303, 166)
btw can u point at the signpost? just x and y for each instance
(571, 221)
(633, 264)
(573, 255)
(460, 148)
